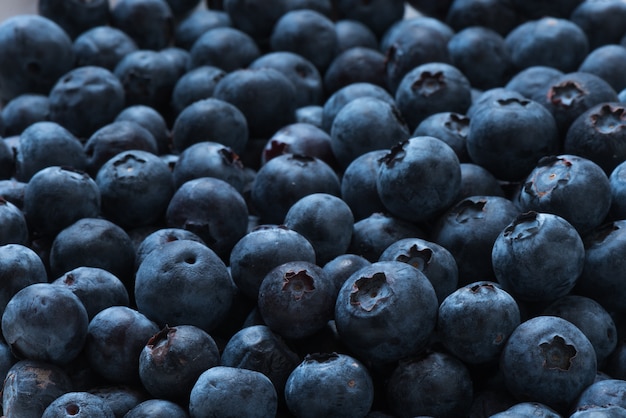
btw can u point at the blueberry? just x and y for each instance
(296, 299)
(20, 267)
(265, 96)
(255, 17)
(284, 180)
(374, 233)
(36, 52)
(148, 78)
(310, 114)
(592, 319)
(475, 321)
(119, 397)
(305, 77)
(436, 10)
(135, 188)
(80, 405)
(196, 84)
(452, 128)
(533, 80)
(212, 209)
(615, 366)
(14, 226)
(151, 120)
(355, 65)
(351, 33)
(570, 95)
(602, 411)
(51, 196)
(386, 311)
(366, 124)
(174, 358)
(550, 41)
(212, 120)
(116, 336)
(469, 229)
(342, 381)
(409, 391)
(618, 192)
(419, 178)
(597, 135)
(224, 47)
(378, 15)
(411, 47)
(22, 111)
(524, 409)
(75, 17)
(302, 139)
(44, 144)
(190, 28)
(157, 239)
(600, 21)
(46, 323)
(399, 28)
(231, 392)
(182, 8)
(573, 187)
(93, 242)
(30, 386)
(436, 262)
(549, 360)
(358, 184)
(490, 98)
(601, 278)
(604, 392)
(477, 181)
(528, 264)
(102, 46)
(604, 61)
(258, 348)
(210, 159)
(262, 249)
(149, 22)
(157, 408)
(114, 138)
(498, 16)
(191, 279)
(467, 50)
(432, 88)
(307, 33)
(326, 221)
(344, 95)
(96, 288)
(343, 266)
(13, 191)
(508, 137)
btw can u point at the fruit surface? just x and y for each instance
(220, 196)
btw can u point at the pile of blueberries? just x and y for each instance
(313, 208)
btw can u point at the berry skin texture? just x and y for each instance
(340, 380)
(174, 358)
(475, 321)
(549, 360)
(418, 178)
(185, 283)
(529, 265)
(229, 392)
(296, 299)
(570, 186)
(45, 323)
(410, 389)
(376, 314)
(35, 52)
